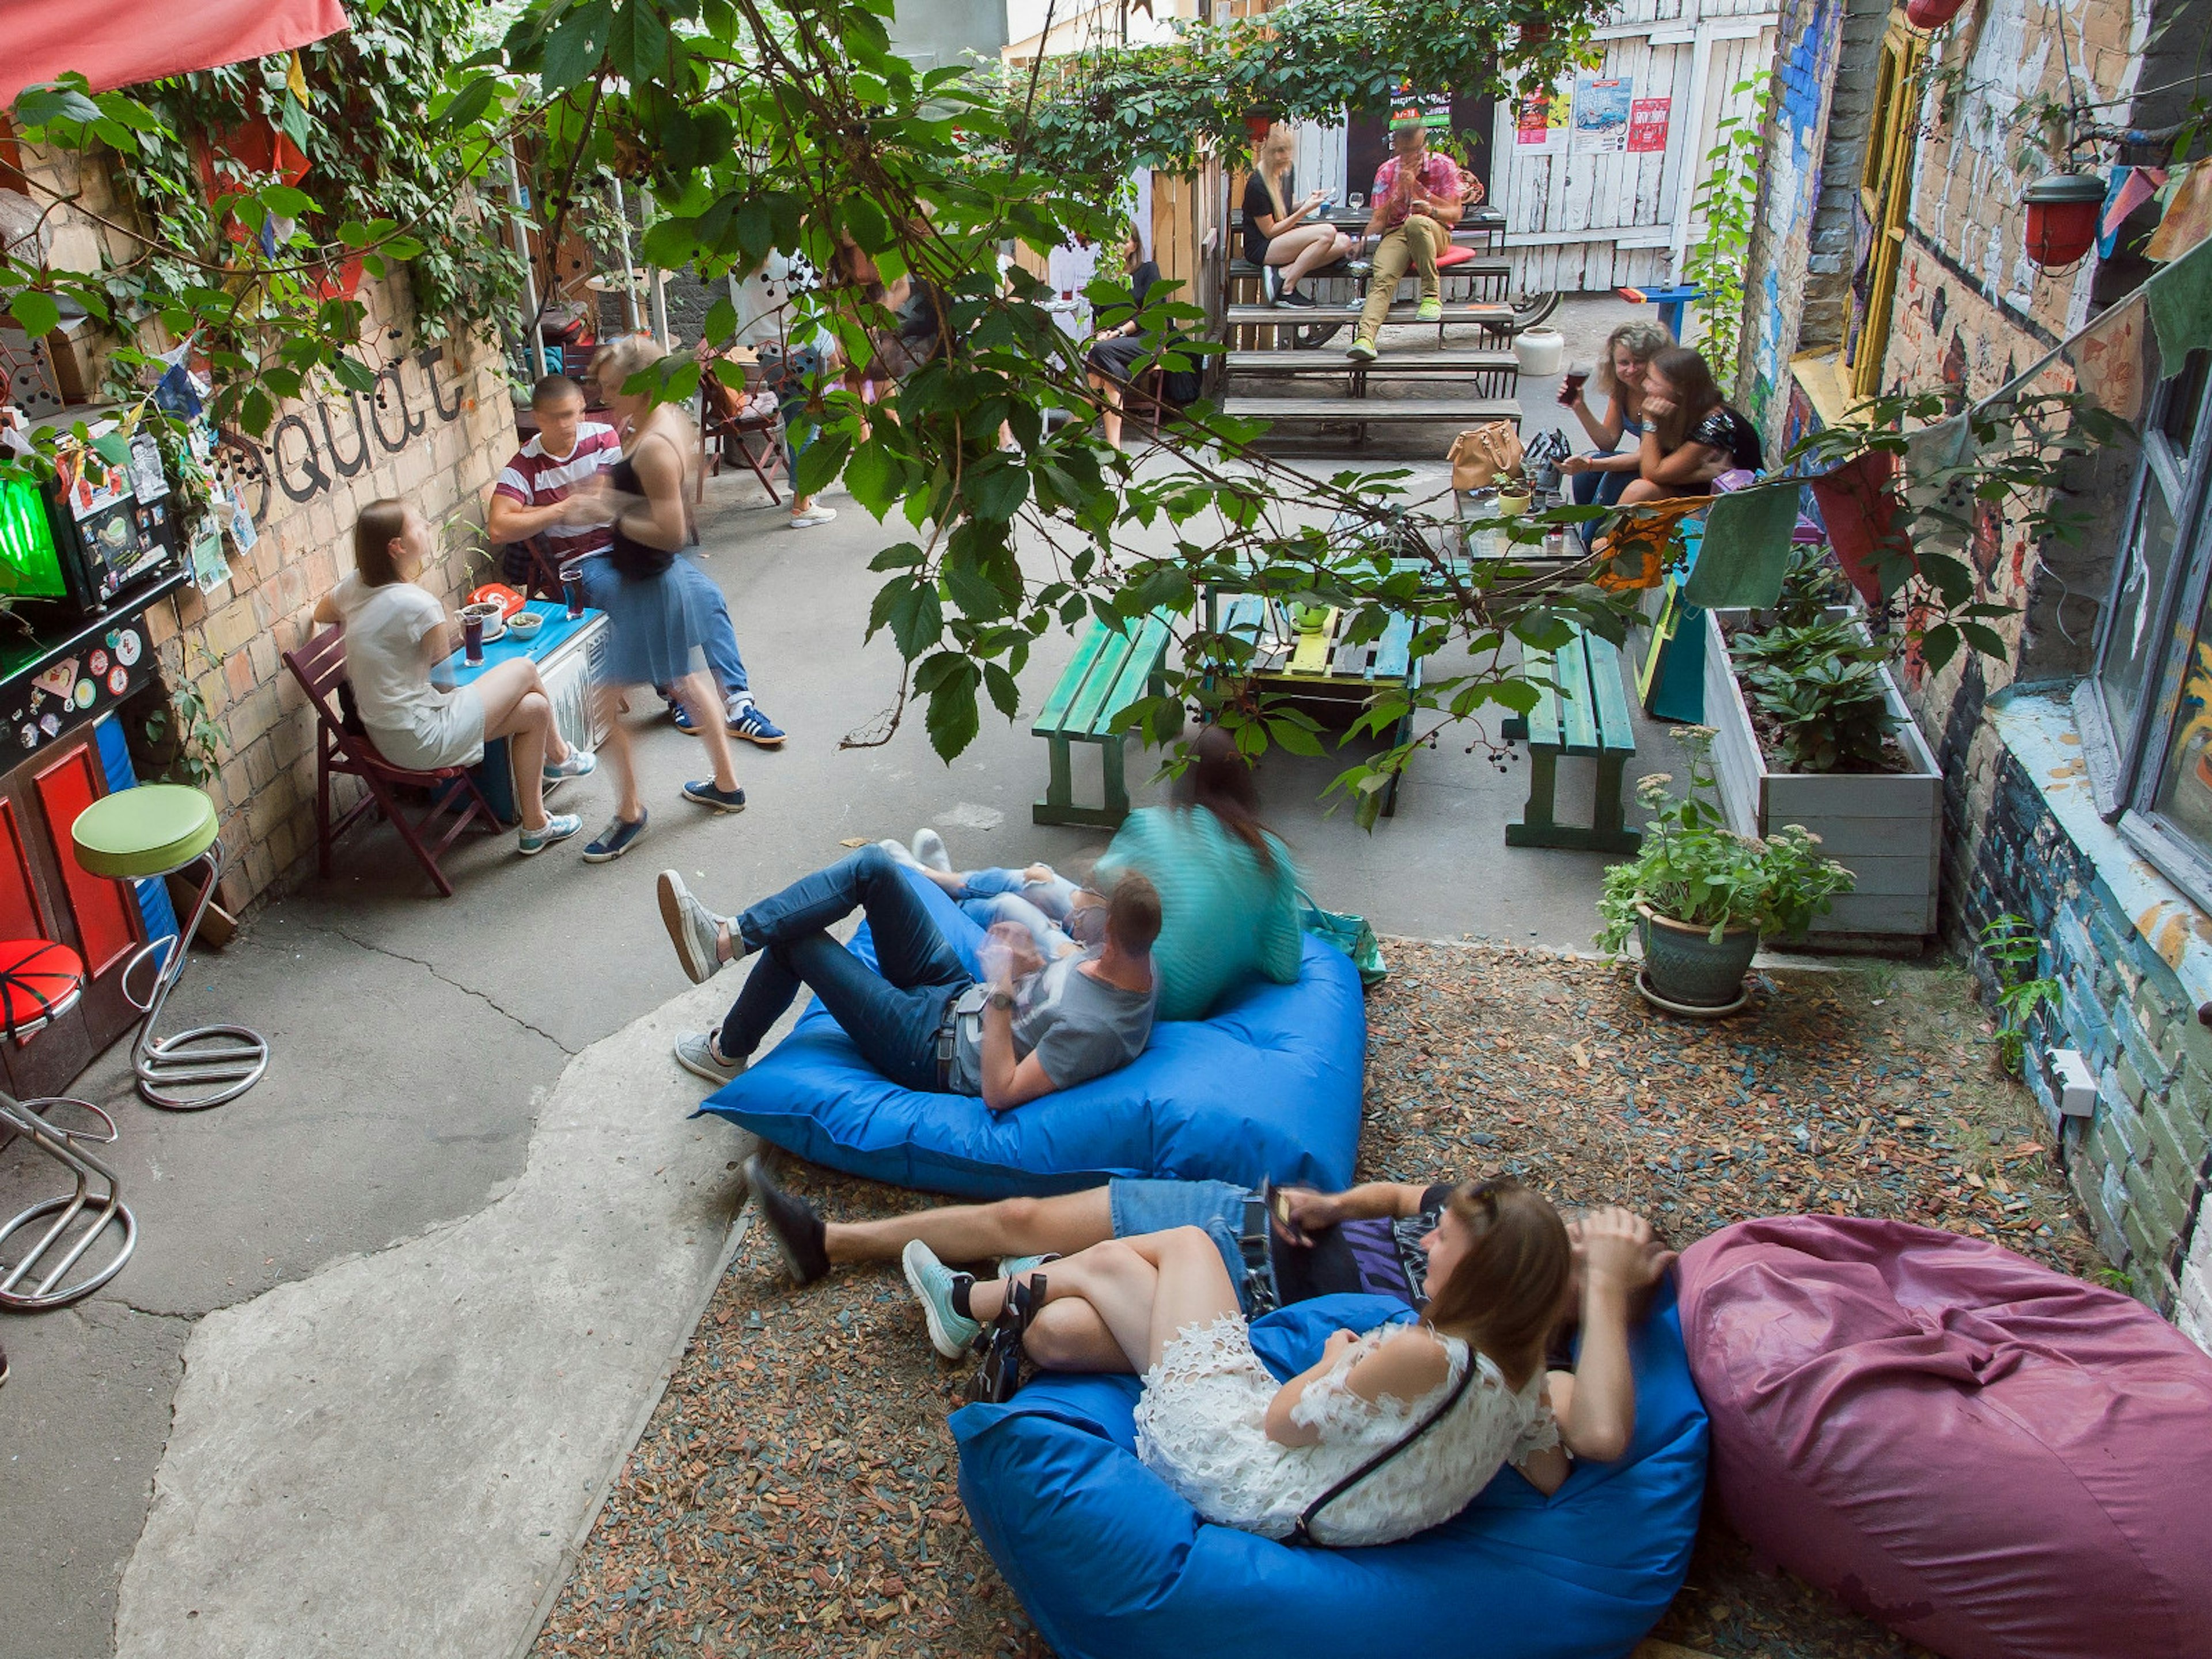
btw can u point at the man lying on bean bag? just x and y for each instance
(919, 1018)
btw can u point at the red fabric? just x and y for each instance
(1454, 255)
(38, 979)
(1993, 1459)
(121, 43)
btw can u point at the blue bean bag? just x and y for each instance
(1270, 1086)
(1112, 1564)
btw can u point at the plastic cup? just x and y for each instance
(472, 640)
(572, 589)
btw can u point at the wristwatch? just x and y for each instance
(1001, 1000)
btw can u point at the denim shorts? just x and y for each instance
(1154, 1207)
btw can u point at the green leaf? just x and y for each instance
(639, 44)
(997, 488)
(286, 200)
(721, 320)
(36, 312)
(954, 718)
(1986, 640)
(821, 461)
(1005, 695)
(36, 106)
(917, 616)
(468, 104)
(577, 44)
(874, 475)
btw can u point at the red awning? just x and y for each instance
(121, 43)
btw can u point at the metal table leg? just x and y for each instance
(207, 1065)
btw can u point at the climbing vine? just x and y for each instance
(1727, 203)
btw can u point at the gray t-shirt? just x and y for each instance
(1079, 1027)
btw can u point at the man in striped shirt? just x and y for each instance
(526, 501)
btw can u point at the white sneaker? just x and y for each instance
(929, 850)
(811, 517)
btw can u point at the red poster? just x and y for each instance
(1647, 124)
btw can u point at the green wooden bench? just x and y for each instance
(1112, 668)
(1582, 711)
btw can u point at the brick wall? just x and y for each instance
(435, 430)
(2138, 1166)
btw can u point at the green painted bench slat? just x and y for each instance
(1578, 704)
(1112, 668)
(1054, 715)
(1585, 713)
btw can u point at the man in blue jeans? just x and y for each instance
(919, 1016)
(526, 501)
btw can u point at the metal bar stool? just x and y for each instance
(152, 831)
(40, 982)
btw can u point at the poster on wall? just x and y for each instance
(1541, 123)
(1433, 112)
(1647, 125)
(1600, 119)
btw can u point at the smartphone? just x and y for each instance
(1278, 1210)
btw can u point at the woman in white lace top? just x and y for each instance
(1248, 1452)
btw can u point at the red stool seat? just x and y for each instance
(1454, 255)
(40, 980)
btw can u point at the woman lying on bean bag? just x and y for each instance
(1387, 1434)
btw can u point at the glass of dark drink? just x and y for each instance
(472, 639)
(1570, 386)
(572, 589)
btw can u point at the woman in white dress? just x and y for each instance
(1248, 1452)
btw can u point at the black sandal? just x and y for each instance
(999, 1377)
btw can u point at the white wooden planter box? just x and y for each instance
(1887, 827)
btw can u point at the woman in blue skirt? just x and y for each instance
(658, 627)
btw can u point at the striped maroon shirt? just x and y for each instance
(533, 478)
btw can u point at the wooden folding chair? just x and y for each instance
(540, 577)
(725, 423)
(318, 666)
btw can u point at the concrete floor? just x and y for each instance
(422, 1205)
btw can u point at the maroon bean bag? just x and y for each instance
(1988, 1457)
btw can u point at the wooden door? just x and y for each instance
(1885, 197)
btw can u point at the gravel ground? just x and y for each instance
(794, 1494)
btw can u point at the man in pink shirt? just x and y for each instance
(526, 501)
(1419, 197)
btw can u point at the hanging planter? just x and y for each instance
(1858, 506)
(2062, 218)
(1932, 13)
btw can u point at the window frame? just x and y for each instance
(2126, 783)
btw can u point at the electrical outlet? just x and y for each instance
(2070, 1080)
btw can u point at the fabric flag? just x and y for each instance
(1637, 543)
(1746, 549)
(122, 42)
(2108, 358)
(2131, 187)
(2181, 303)
(2188, 215)
(1937, 488)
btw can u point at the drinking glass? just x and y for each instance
(473, 640)
(1356, 201)
(572, 589)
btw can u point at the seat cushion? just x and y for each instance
(1269, 1086)
(39, 979)
(146, 831)
(1991, 1458)
(1112, 1564)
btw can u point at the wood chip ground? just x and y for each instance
(794, 1496)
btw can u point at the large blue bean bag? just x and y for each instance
(1112, 1564)
(1270, 1086)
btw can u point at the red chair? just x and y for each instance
(319, 665)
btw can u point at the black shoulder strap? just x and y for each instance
(1303, 1532)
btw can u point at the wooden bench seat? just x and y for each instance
(1487, 373)
(1111, 668)
(1375, 411)
(1583, 710)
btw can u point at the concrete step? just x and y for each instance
(1331, 360)
(1376, 412)
(1490, 314)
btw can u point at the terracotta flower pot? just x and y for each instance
(1683, 964)
(1858, 505)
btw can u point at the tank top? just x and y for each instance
(636, 561)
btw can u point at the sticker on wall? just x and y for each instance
(96, 663)
(119, 682)
(86, 690)
(57, 680)
(51, 724)
(126, 642)
(28, 735)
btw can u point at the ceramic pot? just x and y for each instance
(1684, 965)
(2062, 218)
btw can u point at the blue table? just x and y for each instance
(568, 654)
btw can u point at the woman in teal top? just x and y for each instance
(1229, 908)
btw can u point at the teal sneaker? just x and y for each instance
(1431, 310)
(559, 826)
(1013, 1267)
(951, 1333)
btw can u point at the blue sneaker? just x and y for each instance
(559, 826)
(618, 837)
(722, 800)
(951, 1334)
(747, 721)
(580, 763)
(682, 718)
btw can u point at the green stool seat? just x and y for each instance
(147, 831)
(159, 830)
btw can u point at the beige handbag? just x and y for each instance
(1478, 457)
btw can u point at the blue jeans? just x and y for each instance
(720, 644)
(1154, 1207)
(797, 433)
(1039, 907)
(891, 1011)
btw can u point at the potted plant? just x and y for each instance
(1700, 897)
(1811, 729)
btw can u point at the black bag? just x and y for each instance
(1303, 1532)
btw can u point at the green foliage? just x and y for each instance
(2012, 946)
(1820, 686)
(1728, 202)
(1694, 869)
(184, 728)
(1811, 586)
